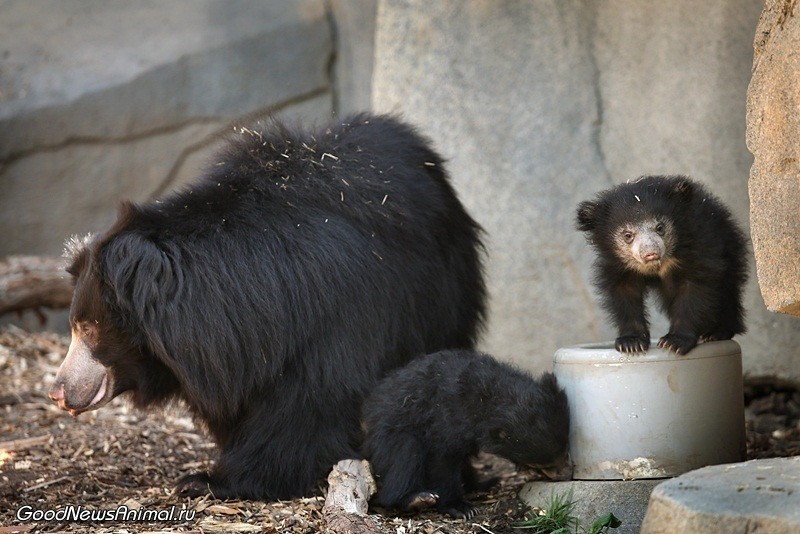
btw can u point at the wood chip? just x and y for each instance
(212, 525)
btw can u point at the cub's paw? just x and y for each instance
(632, 344)
(678, 343)
(716, 336)
(460, 510)
(422, 500)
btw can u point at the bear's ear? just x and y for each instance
(144, 278)
(76, 252)
(587, 216)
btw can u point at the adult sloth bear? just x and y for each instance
(274, 293)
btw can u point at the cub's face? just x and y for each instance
(639, 224)
(534, 431)
(636, 235)
(645, 246)
(535, 445)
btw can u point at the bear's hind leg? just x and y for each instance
(203, 483)
(261, 459)
(398, 463)
(473, 482)
(445, 477)
(729, 319)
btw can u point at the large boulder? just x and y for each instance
(773, 128)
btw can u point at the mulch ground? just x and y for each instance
(117, 457)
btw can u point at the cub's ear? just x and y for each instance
(683, 186)
(549, 381)
(587, 216)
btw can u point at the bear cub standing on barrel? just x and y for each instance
(670, 234)
(424, 422)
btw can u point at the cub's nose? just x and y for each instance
(652, 256)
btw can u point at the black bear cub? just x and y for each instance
(426, 420)
(670, 234)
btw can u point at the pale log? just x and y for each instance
(33, 282)
(350, 485)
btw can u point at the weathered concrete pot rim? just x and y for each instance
(605, 353)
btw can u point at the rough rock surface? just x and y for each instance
(754, 496)
(773, 127)
(538, 105)
(104, 101)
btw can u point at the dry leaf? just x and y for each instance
(222, 509)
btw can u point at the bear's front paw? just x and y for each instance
(194, 485)
(422, 500)
(632, 344)
(678, 343)
(461, 509)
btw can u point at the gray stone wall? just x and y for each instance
(538, 105)
(102, 101)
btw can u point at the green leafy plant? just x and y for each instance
(603, 524)
(557, 517)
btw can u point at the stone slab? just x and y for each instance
(626, 499)
(754, 496)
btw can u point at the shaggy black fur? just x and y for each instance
(426, 420)
(275, 292)
(695, 258)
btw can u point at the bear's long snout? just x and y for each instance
(81, 382)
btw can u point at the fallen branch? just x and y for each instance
(46, 483)
(23, 443)
(33, 282)
(17, 529)
(350, 485)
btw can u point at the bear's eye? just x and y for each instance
(88, 330)
(660, 229)
(627, 235)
